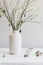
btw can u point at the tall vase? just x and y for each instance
(15, 42)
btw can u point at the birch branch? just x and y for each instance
(25, 8)
(6, 11)
(31, 18)
(29, 6)
(20, 21)
(32, 1)
(14, 9)
(34, 12)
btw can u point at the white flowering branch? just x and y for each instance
(20, 22)
(11, 18)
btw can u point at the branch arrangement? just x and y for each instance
(11, 18)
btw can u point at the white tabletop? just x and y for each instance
(20, 59)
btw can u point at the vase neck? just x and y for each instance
(15, 31)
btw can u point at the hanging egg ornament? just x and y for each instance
(0, 16)
(3, 11)
(20, 31)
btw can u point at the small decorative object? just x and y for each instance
(15, 38)
(3, 55)
(39, 53)
(26, 55)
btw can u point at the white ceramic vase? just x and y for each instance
(15, 43)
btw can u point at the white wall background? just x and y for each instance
(32, 33)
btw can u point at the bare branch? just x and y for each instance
(25, 8)
(10, 4)
(19, 22)
(34, 13)
(28, 3)
(29, 6)
(5, 14)
(31, 17)
(28, 10)
(6, 10)
(13, 14)
(24, 4)
(32, 1)
(33, 21)
(14, 9)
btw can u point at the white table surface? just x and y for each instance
(32, 59)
